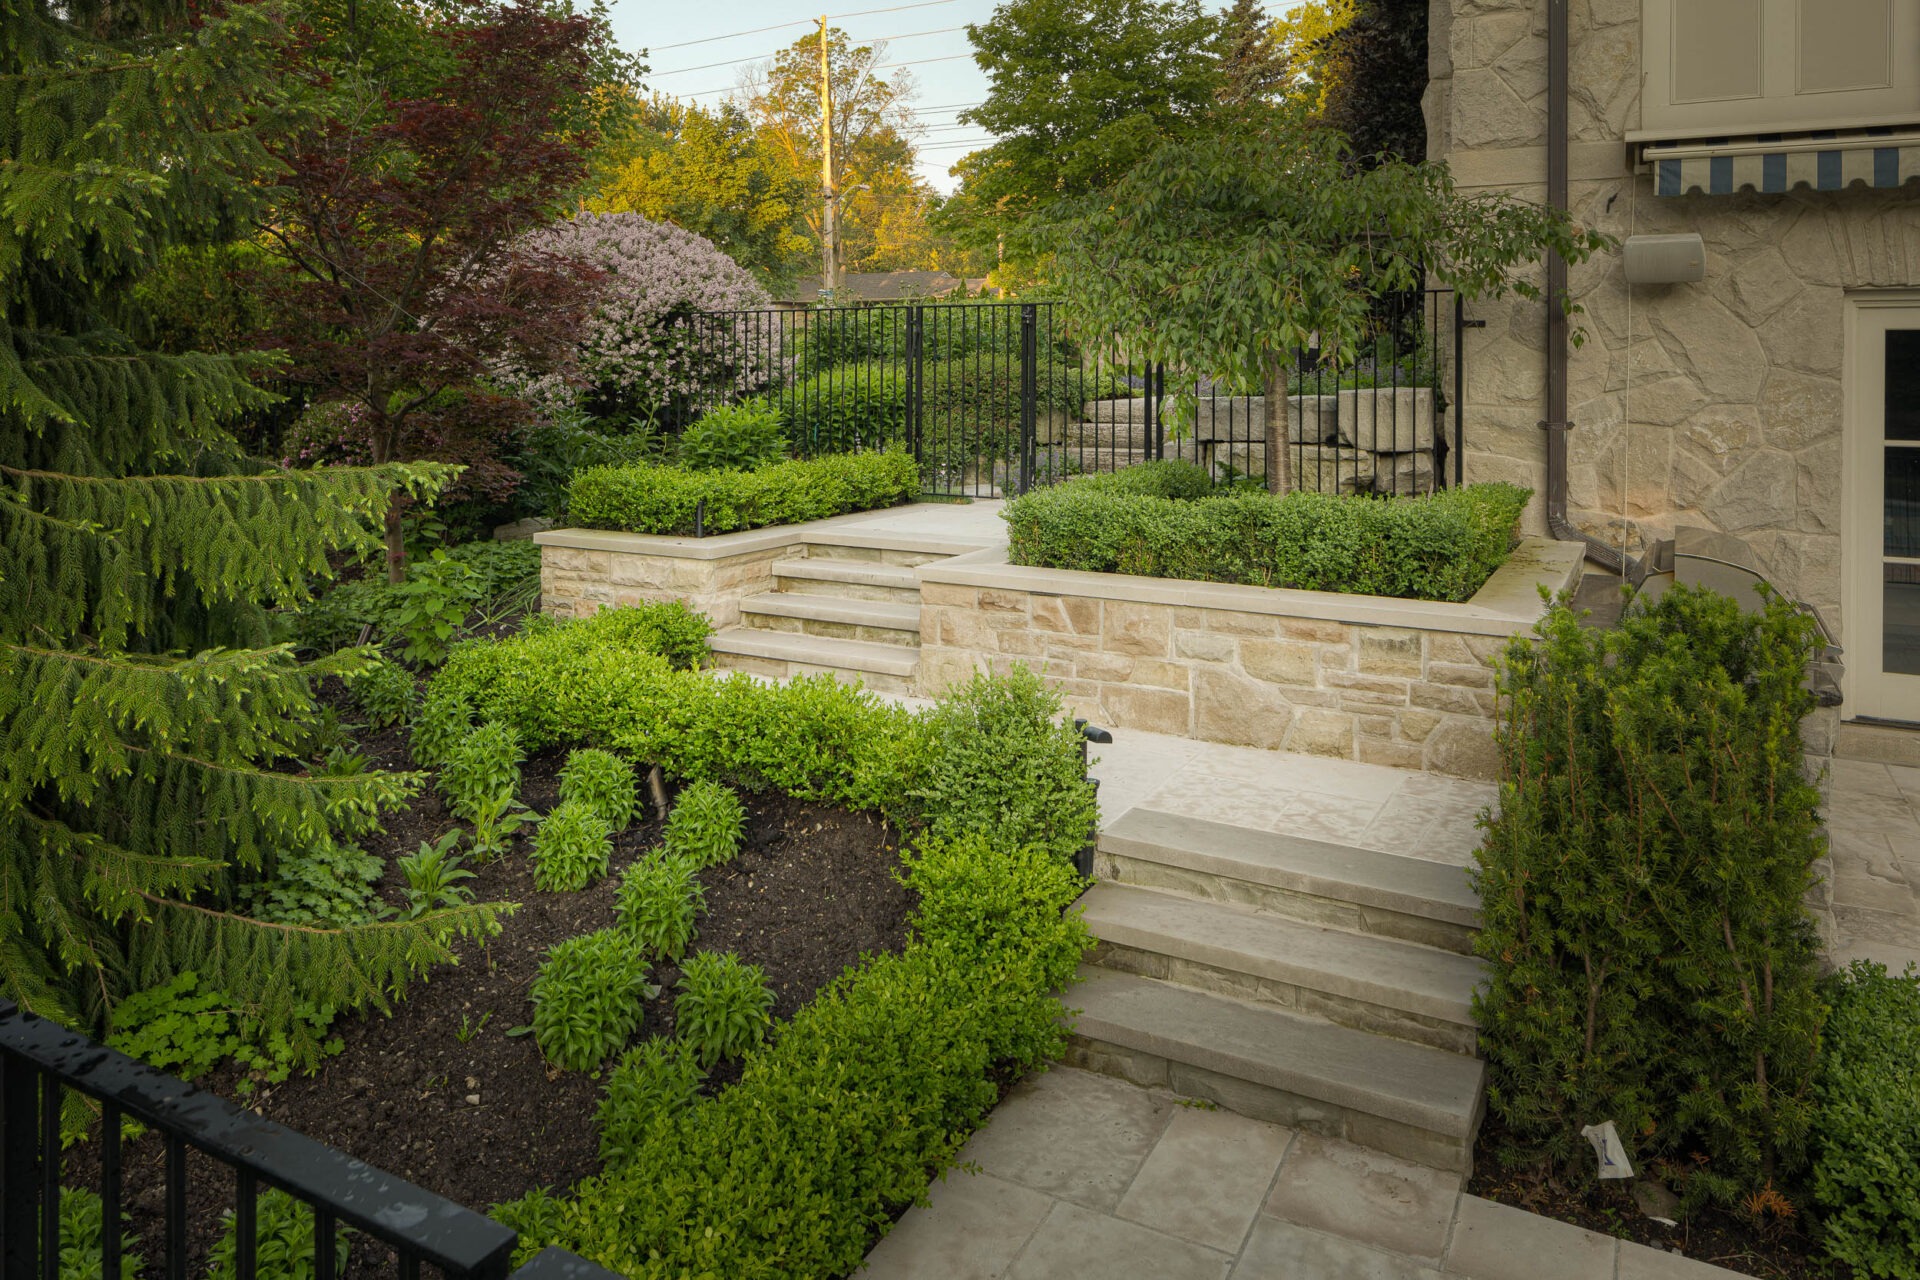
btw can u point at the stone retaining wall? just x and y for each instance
(1392, 682)
(592, 571)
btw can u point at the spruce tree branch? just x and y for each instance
(445, 914)
(407, 781)
(272, 477)
(67, 73)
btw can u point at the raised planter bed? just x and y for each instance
(1407, 683)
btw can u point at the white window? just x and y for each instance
(1718, 67)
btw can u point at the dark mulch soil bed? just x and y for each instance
(442, 1096)
(1779, 1250)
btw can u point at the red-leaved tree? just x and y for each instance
(401, 225)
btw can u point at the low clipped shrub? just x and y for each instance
(655, 1080)
(385, 694)
(571, 848)
(480, 768)
(659, 906)
(604, 783)
(735, 437)
(588, 998)
(965, 784)
(648, 498)
(1168, 478)
(706, 825)
(723, 1008)
(1867, 1174)
(1440, 547)
(536, 1217)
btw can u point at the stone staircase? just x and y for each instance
(850, 609)
(1305, 983)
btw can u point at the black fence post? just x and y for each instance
(1029, 388)
(916, 390)
(19, 1166)
(1459, 389)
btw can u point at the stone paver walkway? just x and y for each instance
(1083, 1177)
(1873, 822)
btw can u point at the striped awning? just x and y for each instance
(1821, 161)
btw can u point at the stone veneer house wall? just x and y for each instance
(1738, 403)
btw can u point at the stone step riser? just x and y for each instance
(1309, 908)
(846, 590)
(1275, 1106)
(830, 630)
(870, 555)
(778, 669)
(1295, 998)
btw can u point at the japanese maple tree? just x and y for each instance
(412, 180)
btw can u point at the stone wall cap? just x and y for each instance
(1508, 604)
(850, 530)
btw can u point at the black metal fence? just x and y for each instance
(41, 1062)
(993, 398)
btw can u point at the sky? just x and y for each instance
(931, 36)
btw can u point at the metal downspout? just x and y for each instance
(1558, 346)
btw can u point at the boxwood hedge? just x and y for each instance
(841, 1121)
(649, 498)
(1442, 547)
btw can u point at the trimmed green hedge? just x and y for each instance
(648, 498)
(1867, 1176)
(1442, 547)
(840, 1122)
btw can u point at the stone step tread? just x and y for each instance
(1380, 971)
(825, 546)
(891, 614)
(1411, 886)
(1412, 1084)
(863, 572)
(817, 651)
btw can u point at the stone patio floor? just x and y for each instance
(1079, 1175)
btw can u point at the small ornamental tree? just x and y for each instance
(641, 350)
(1223, 254)
(402, 221)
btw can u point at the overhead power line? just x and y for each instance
(891, 66)
(797, 22)
(759, 57)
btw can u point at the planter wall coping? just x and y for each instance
(1508, 604)
(850, 530)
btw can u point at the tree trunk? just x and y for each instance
(383, 442)
(1279, 442)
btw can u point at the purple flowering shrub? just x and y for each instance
(640, 352)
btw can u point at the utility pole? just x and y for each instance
(829, 231)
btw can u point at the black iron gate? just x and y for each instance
(994, 398)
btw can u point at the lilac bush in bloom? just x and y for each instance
(637, 351)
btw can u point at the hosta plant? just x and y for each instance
(589, 998)
(706, 824)
(571, 848)
(385, 694)
(481, 767)
(605, 783)
(654, 1079)
(660, 904)
(723, 1007)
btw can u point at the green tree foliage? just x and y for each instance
(153, 765)
(1221, 253)
(713, 173)
(1650, 958)
(1079, 92)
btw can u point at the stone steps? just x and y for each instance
(1410, 1100)
(781, 655)
(1357, 980)
(836, 617)
(849, 579)
(1360, 890)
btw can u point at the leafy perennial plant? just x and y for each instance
(724, 1006)
(588, 998)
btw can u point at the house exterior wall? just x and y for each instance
(1716, 404)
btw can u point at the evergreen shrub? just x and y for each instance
(648, 498)
(570, 848)
(1440, 547)
(588, 998)
(847, 409)
(1867, 1174)
(723, 1008)
(706, 825)
(385, 693)
(659, 906)
(735, 437)
(1650, 957)
(604, 783)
